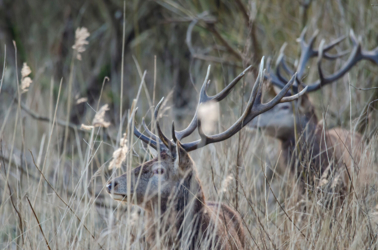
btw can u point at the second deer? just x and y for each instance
(305, 143)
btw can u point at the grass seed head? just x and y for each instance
(99, 119)
(25, 80)
(81, 36)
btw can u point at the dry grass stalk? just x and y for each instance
(39, 224)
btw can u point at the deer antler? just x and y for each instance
(253, 109)
(308, 52)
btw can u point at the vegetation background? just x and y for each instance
(128, 38)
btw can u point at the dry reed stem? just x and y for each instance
(39, 224)
(2, 76)
(11, 196)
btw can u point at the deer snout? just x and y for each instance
(112, 185)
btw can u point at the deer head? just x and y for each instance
(279, 122)
(173, 168)
(155, 179)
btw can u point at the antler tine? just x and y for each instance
(294, 97)
(141, 136)
(253, 109)
(336, 56)
(306, 51)
(320, 72)
(160, 141)
(205, 98)
(334, 43)
(280, 62)
(167, 143)
(278, 98)
(149, 132)
(286, 68)
(269, 76)
(221, 95)
(369, 55)
(353, 37)
(301, 38)
(145, 139)
(356, 55)
(173, 132)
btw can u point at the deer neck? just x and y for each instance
(180, 213)
(189, 194)
(187, 197)
(303, 135)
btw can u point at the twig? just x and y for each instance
(39, 224)
(189, 31)
(364, 89)
(60, 198)
(208, 19)
(11, 198)
(2, 76)
(243, 11)
(47, 119)
(234, 52)
(216, 60)
(212, 29)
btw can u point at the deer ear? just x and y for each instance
(182, 159)
(271, 89)
(305, 104)
(276, 90)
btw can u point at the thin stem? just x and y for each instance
(39, 224)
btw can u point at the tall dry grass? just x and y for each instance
(67, 208)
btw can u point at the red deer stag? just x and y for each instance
(168, 187)
(306, 146)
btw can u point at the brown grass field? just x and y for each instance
(53, 171)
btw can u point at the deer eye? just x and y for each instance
(158, 171)
(285, 107)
